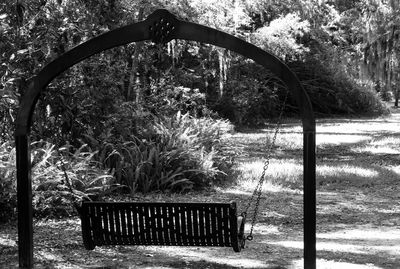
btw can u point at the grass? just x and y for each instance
(343, 155)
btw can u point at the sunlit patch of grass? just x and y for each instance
(285, 174)
(363, 233)
(279, 174)
(223, 259)
(5, 240)
(285, 139)
(290, 141)
(337, 139)
(263, 229)
(385, 145)
(377, 150)
(344, 171)
(329, 264)
(387, 141)
(394, 169)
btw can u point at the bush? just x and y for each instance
(66, 175)
(177, 154)
(332, 92)
(252, 95)
(59, 177)
(167, 100)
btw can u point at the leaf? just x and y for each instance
(23, 51)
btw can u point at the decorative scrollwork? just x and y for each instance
(162, 26)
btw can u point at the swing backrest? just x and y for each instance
(171, 224)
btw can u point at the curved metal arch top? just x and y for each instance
(160, 27)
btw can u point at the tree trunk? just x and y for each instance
(223, 70)
(134, 81)
(171, 52)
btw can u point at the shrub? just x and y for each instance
(177, 154)
(252, 95)
(66, 175)
(332, 92)
(59, 177)
(167, 100)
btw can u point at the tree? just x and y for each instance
(281, 36)
(382, 44)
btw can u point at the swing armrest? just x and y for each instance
(238, 239)
(241, 221)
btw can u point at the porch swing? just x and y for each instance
(170, 224)
(180, 224)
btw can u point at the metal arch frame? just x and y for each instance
(160, 27)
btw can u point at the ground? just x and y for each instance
(358, 207)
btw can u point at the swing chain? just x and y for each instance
(258, 190)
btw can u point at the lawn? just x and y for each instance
(358, 207)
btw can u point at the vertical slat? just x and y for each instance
(117, 220)
(153, 223)
(134, 230)
(214, 232)
(111, 224)
(129, 228)
(147, 223)
(184, 226)
(105, 225)
(195, 224)
(220, 226)
(140, 220)
(170, 238)
(91, 223)
(188, 217)
(202, 224)
(178, 226)
(161, 224)
(124, 232)
(98, 227)
(137, 225)
(208, 224)
(227, 241)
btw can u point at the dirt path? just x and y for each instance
(358, 177)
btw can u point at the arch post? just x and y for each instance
(309, 200)
(24, 196)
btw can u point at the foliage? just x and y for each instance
(60, 178)
(281, 36)
(252, 95)
(381, 52)
(332, 92)
(65, 176)
(166, 99)
(175, 154)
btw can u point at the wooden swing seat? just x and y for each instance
(169, 224)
